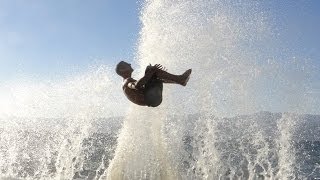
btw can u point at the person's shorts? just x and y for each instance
(153, 91)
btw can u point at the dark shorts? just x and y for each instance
(153, 91)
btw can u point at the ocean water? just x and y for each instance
(263, 145)
(248, 111)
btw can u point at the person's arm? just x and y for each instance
(141, 82)
(130, 83)
(149, 73)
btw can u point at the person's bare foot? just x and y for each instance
(186, 77)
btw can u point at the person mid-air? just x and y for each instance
(148, 90)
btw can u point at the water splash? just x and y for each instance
(46, 123)
(235, 71)
(207, 130)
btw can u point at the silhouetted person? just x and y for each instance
(148, 90)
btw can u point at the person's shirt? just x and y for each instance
(133, 94)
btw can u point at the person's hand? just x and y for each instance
(159, 67)
(153, 69)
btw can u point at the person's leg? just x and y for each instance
(171, 78)
(153, 92)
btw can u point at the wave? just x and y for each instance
(262, 145)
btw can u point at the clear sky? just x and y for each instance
(47, 37)
(300, 23)
(44, 37)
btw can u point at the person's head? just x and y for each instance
(124, 69)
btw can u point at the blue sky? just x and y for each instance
(300, 24)
(48, 37)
